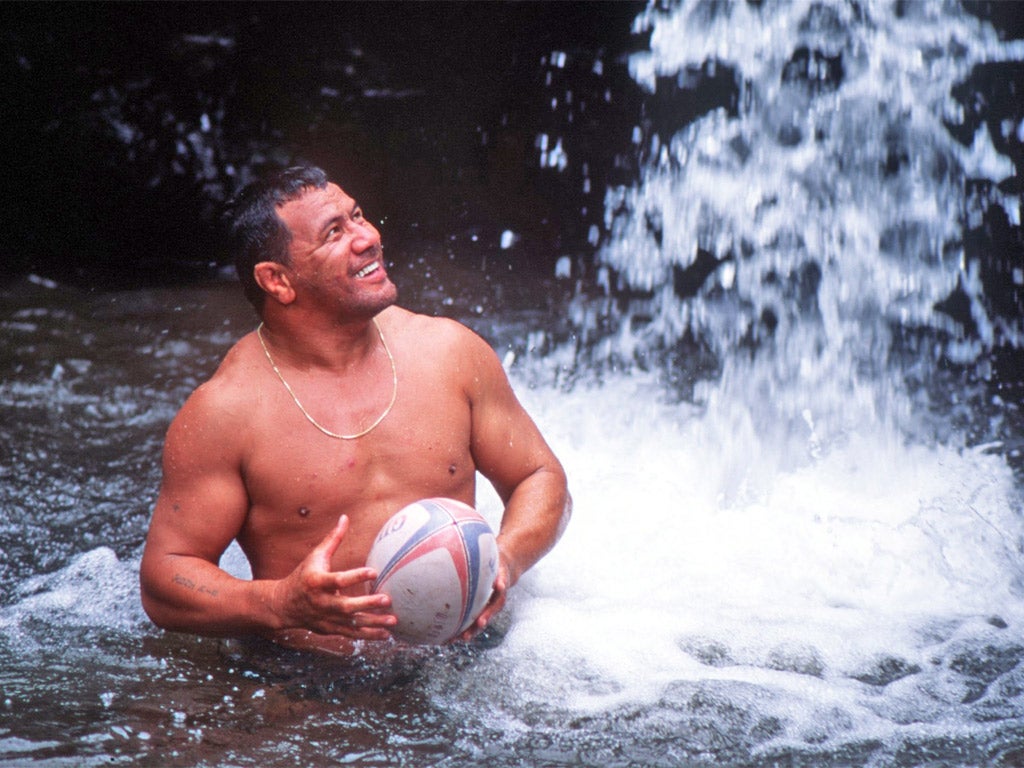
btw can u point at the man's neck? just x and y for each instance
(320, 342)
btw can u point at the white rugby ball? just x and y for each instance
(437, 559)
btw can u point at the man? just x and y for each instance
(340, 409)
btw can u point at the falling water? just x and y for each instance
(783, 549)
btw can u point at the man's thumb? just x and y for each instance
(332, 540)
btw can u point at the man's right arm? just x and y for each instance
(201, 508)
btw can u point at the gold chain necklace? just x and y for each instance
(310, 419)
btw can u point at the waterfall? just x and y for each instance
(800, 232)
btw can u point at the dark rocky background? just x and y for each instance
(126, 125)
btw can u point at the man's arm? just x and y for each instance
(201, 508)
(510, 451)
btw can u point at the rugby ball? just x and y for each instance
(437, 559)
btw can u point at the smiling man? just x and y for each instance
(339, 409)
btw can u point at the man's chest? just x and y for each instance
(421, 448)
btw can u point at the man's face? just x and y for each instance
(336, 253)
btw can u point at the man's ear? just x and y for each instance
(274, 279)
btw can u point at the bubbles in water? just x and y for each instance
(94, 590)
(788, 549)
(877, 586)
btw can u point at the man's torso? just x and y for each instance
(299, 481)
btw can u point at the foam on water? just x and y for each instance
(876, 560)
(95, 590)
(793, 543)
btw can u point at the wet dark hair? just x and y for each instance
(253, 230)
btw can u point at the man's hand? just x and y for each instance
(494, 605)
(312, 597)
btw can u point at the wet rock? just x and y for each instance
(887, 669)
(973, 669)
(134, 125)
(986, 663)
(707, 651)
(804, 660)
(687, 281)
(692, 92)
(815, 69)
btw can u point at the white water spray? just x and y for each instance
(783, 542)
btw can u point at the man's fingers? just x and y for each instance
(493, 606)
(342, 606)
(327, 604)
(369, 617)
(338, 581)
(365, 633)
(375, 604)
(330, 543)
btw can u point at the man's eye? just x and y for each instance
(357, 214)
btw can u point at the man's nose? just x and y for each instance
(364, 236)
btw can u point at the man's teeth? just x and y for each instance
(372, 267)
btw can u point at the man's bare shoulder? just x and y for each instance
(440, 333)
(464, 358)
(232, 391)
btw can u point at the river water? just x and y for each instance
(798, 532)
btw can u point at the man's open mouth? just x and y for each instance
(369, 269)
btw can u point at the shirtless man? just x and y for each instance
(339, 410)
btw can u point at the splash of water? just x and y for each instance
(838, 158)
(788, 558)
(821, 214)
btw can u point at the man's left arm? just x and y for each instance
(512, 454)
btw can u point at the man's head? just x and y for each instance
(302, 241)
(254, 229)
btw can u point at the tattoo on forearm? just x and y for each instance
(186, 582)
